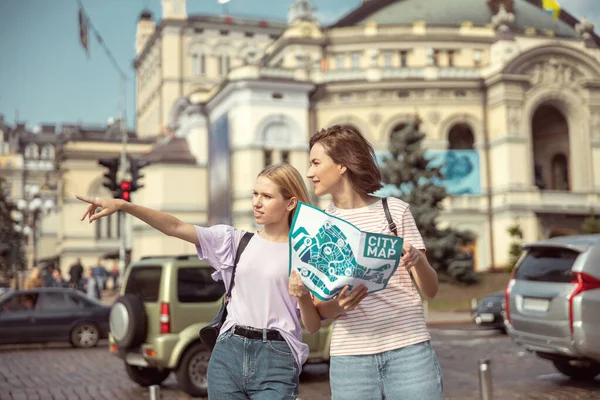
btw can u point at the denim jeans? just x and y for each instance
(408, 373)
(241, 368)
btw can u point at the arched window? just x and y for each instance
(460, 137)
(32, 151)
(197, 53)
(47, 152)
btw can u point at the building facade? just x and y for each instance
(508, 95)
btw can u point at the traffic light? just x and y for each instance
(125, 190)
(113, 166)
(134, 167)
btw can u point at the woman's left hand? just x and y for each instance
(411, 256)
(296, 286)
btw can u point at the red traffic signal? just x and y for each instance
(125, 190)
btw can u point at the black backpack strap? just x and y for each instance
(388, 215)
(241, 247)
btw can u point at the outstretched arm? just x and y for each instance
(163, 222)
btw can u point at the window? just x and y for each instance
(145, 282)
(224, 65)
(387, 59)
(436, 58)
(47, 152)
(355, 60)
(31, 151)
(547, 264)
(340, 61)
(198, 64)
(404, 58)
(75, 301)
(23, 302)
(268, 157)
(451, 58)
(477, 57)
(285, 157)
(196, 285)
(51, 301)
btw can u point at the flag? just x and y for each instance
(551, 7)
(83, 30)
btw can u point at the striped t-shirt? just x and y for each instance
(391, 318)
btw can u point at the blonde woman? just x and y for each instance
(259, 352)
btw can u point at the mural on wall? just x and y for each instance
(461, 169)
(219, 182)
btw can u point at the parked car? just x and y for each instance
(50, 315)
(489, 311)
(155, 323)
(552, 303)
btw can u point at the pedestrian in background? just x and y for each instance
(75, 274)
(380, 346)
(34, 280)
(92, 287)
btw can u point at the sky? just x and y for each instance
(46, 76)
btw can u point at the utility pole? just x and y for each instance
(85, 24)
(122, 225)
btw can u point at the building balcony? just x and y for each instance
(539, 201)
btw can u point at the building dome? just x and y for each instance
(479, 12)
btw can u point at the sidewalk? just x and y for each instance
(434, 318)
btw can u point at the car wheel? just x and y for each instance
(85, 335)
(128, 321)
(579, 371)
(146, 376)
(191, 373)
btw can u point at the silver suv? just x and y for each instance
(552, 302)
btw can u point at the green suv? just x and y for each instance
(155, 323)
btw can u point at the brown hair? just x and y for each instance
(346, 146)
(290, 184)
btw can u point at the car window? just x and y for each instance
(19, 302)
(145, 282)
(51, 301)
(547, 264)
(195, 285)
(75, 301)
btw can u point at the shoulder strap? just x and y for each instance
(388, 215)
(241, 247)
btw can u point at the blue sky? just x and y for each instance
(46, 77)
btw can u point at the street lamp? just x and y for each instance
(28, 213)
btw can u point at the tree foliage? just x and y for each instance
(418, 183)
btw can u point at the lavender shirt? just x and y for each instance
(260, 296)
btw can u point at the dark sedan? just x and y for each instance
(52, 315)
(490, 311)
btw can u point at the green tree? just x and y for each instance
(514, 250)
(591, 225)
(418, 184)
(12, 256)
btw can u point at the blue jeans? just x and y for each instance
(241, 368)
(408, 373)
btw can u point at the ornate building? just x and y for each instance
(509, 95)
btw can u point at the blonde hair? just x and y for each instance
(290, 183)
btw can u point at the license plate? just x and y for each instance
(540, 305)
(486, 317)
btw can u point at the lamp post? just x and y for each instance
(28, 213)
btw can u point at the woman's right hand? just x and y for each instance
(348, 302)
(108, 207)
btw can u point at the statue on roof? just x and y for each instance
(302, 10)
